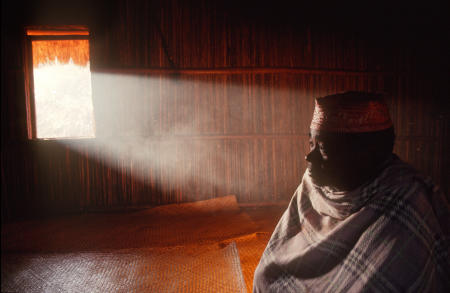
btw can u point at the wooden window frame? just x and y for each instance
(44, 32)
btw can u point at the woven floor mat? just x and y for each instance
(193, 223)
(176, 269)
(172, 248)
(250, 248)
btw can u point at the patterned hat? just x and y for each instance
(351, 112)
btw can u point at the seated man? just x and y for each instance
(361, 220)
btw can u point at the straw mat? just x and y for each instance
(138, 270)
(206, 246)
(202, 222)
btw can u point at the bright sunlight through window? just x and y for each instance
(62, 88)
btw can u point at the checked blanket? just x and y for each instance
(389, 235)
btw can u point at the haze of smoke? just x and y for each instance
(175, 154)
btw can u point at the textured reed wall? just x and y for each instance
(164, 138)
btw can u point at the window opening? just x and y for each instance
(61, 96)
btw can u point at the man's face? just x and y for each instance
(331, 159)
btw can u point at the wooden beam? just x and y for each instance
(240, 70)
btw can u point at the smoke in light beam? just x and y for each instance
(175, 131)
(151, 127)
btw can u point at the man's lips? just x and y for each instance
(312, 168)
(314, 171)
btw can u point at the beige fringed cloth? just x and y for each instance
(389, 235)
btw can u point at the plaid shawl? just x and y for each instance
(389, 235)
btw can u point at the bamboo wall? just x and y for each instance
(198, 101)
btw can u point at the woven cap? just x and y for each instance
(351, 112)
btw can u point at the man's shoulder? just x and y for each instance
(400, 174)
(416, 195)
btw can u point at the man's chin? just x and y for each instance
(316, 178)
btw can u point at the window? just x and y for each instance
(59, 96)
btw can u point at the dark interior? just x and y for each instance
(197, 100)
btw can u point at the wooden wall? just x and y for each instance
(198, 100)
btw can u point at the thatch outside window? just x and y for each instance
(60, 94)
